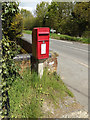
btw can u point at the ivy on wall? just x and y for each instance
(9, 72)
(12, 29)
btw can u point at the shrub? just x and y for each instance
(11, 20)
(11, 28)
(17, 26)
(86, 34)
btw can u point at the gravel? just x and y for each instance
(76, 114)
(69, 108)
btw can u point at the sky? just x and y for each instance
(30, 4)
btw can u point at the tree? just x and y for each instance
(81, 16)
(25, 13)
(65, 17)
(41, 12)
(53, 15)
(28, 19)
(69, 26)
(58, 12)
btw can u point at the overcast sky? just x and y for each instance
(30, 4)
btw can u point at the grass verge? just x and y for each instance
(64, 37)
(69, 38)
(27, 95)
(27, 31)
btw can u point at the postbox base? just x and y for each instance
(37, 66)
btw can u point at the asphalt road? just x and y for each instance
(72, 66)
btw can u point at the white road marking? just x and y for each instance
(83, 64)
(77, 48)
(70, 46)
(66, 42)
(63, 41)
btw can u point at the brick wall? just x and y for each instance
(51, 63)
(25, 61)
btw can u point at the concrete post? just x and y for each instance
(40, 69)
(37, 66)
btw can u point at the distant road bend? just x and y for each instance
(72, 66)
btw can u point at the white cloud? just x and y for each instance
(27, 8)
(30, 4)
(36, 1)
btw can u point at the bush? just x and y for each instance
(28, 23)
(28, 19)
(86, 34)
(9, 72)
(17, 26)
(11, 20)
(12, 28)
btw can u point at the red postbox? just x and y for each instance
(40, 42)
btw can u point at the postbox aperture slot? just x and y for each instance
(43, 34)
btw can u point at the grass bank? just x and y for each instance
(27, 95)
(64, 37)
(27, 31)
(69, 38)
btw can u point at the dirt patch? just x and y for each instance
(68, 108)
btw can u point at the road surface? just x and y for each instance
(72, 66)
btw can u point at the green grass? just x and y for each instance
(27, 95)
(64, 37)
(69, 38)
(27, 31)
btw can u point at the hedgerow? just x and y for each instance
(12, 28)
(12, 21)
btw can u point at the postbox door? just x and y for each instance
(43, 50)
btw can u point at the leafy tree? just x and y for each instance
(53, 15)
(41, 12)
(81, 16)
(75, 18)
(25, 13)
(58, 12)
(69, 26)
(28, 19)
